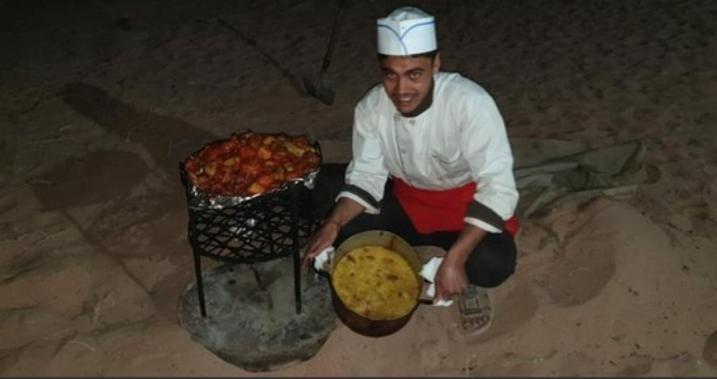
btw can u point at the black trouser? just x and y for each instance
(490, 264)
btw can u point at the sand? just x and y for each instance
(99, 101)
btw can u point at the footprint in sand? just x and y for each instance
(709, 352)
(583, 271)
(685, 365)
(636, 365)
(516, 309)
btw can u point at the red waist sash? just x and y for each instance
(437, 211)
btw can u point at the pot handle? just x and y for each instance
(428, 300)
(424, 299)
(321, 273)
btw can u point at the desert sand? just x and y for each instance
(100, 100)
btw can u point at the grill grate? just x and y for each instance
(266, 227)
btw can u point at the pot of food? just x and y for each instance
(376, 283)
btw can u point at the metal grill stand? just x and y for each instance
(264, 228)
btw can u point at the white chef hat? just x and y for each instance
(406, 31)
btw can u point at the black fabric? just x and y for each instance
(491, 263)
(481, 212)
(362, 194)
(327, 186)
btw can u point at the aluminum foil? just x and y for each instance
(198, 200)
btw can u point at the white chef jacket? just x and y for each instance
(460, 138)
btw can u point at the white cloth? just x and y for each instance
(460, 138)
(406, 31)
(428, 272)
(322, 262)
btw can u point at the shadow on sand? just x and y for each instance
(109, 174)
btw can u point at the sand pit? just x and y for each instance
(254, 324)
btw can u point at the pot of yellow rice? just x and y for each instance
(375, 282)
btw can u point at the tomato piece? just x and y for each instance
(246, 152)
(255, 188)
(279, 175)
(249, 169)
(280, 154)
(265, 180)
(263, 153)
(210, 168)
(294, 149)
(231, 161)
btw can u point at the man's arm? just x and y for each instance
(366, 177)
(344, 211)
(366, 174)
(451, 276)
(484, 143)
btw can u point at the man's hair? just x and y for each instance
(428, 54)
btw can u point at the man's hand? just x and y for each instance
(345, 210)
(323, 238)
(451, 278)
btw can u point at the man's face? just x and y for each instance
(407, 80)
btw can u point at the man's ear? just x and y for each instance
(437, 63)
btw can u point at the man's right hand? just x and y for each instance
(323, 238)
(345, 210)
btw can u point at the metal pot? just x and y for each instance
(361, 324)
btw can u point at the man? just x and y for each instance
(431, 163)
